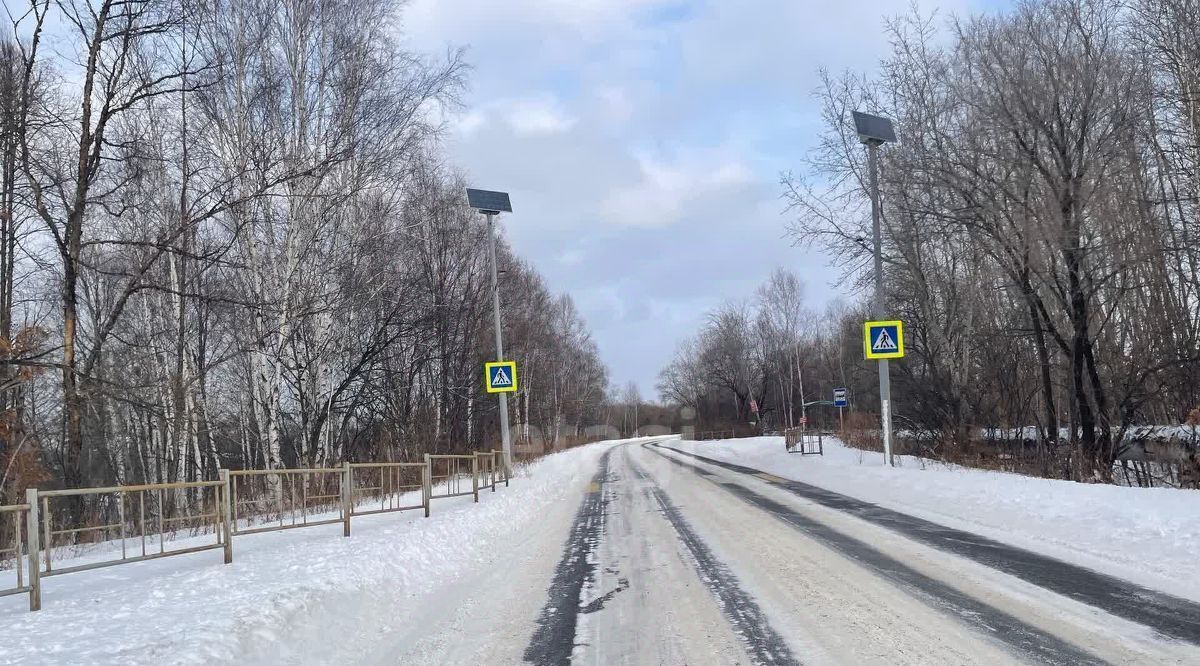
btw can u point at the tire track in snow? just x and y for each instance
(554, 639)
(762, 642)
(1027, 640)
(1169, 615)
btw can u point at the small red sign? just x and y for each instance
(753, 406)
(803, 420)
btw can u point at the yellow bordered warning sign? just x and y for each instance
(883, 339)
(500, 376)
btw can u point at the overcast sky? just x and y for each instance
(643, 140)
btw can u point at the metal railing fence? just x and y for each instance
(448, 474)
(23, 551)
(804, 441)
(486, 464)
(387, 484)
(136, 522)
(715, 434)
(133, 514)
(270, 500)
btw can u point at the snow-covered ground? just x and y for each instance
(194, 609)
(467, 585)
(1150, 536)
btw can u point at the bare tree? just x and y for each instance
(1030, 212)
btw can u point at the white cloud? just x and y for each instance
(470, 122)
(732, 173)
(614, 103)
(538, 114)
(476, 21)
(542, 114)
(664, 191)
(570, 258)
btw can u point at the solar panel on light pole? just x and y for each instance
(873, 129)
(488, 202)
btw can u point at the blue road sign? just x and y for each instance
(841, 397)
(501, 376)
(883, 339)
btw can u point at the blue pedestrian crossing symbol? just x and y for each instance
(883, 339)
(500, 376)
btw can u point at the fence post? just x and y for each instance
(226, 513)
(427, 484)
(503, 468)
(475, 475)
(347, 497)
(492, 471)
(31, 544)
(47, 538)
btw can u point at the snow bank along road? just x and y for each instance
(639, 552)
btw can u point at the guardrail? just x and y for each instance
(24, 551)
(446, 471)
(141, 518)
(213, 514)
(715, 434)
(488, 474)
(287, 496)
(387, 483)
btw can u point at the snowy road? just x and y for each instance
(671, 559)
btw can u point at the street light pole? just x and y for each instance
(875, 131)
(505, 436)
(877, 309)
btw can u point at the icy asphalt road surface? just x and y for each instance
(672, 559)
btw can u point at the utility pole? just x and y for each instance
(874, 131)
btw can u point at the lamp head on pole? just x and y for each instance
(488, 202)
(873, 130)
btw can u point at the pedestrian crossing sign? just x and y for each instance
(500, 376)
(884, 339)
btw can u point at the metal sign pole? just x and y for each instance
(885, 389)
(840, 401)
(505, 437)
(803, 411)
